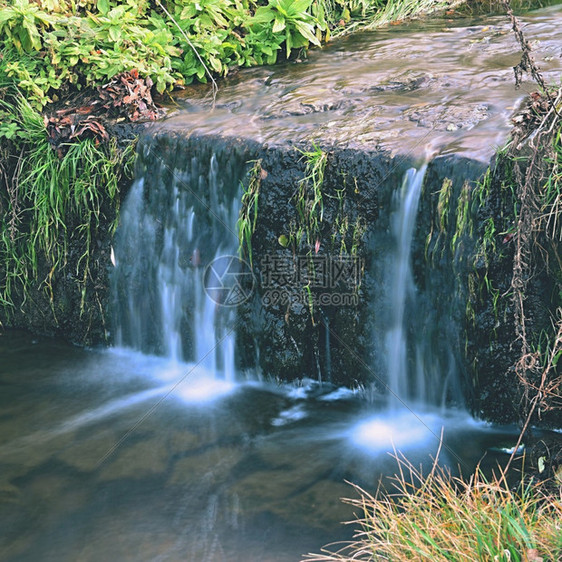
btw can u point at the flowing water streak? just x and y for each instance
(402, 293)
(172, 226)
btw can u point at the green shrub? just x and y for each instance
(62, 44)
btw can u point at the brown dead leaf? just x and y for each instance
(533, 555)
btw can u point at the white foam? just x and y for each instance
(293, 414)
(338, 394)
(395, 430)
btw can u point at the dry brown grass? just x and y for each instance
(439, 517)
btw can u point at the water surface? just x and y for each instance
(104, 455)
(442, 85)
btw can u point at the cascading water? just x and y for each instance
(175, 221)
(401, 385)
(415, 385)
(417, 373)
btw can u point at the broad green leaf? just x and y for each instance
(262, 15)
(188, 12)
(289, 44)
(6, 14)
(307, 31)
(115, 33)
(301, 5)
(278, 24)
(215, 64)
(33, 38)
(103, 7)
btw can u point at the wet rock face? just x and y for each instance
(328, 331)
(441, 262)
(61, 311)
(492, 346)
(278, 330)
(325, 333)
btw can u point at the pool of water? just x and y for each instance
(114, 455)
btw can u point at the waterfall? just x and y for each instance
(405, 339)
(179, 216)
(401, 285)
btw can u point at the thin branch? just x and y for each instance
(190, 43)
(527, 63)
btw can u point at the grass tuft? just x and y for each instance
(439, 517)
(47, 201)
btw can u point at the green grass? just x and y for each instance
(551, 195)
(248, 218)
(50, 200)
(367, 15)
(478, 7)
(439, 518)
(309, 199)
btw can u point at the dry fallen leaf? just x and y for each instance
(533, 555)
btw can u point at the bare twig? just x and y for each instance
(190, 43)
(527, 63)
(544, 387)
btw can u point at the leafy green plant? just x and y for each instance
(293, 21)
(440, 221)
(23, 24)
(341, 222)
(71, 44)
(208, 14)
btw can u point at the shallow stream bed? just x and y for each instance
(112, 455)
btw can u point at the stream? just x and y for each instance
(161, 448)
(120, 456)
